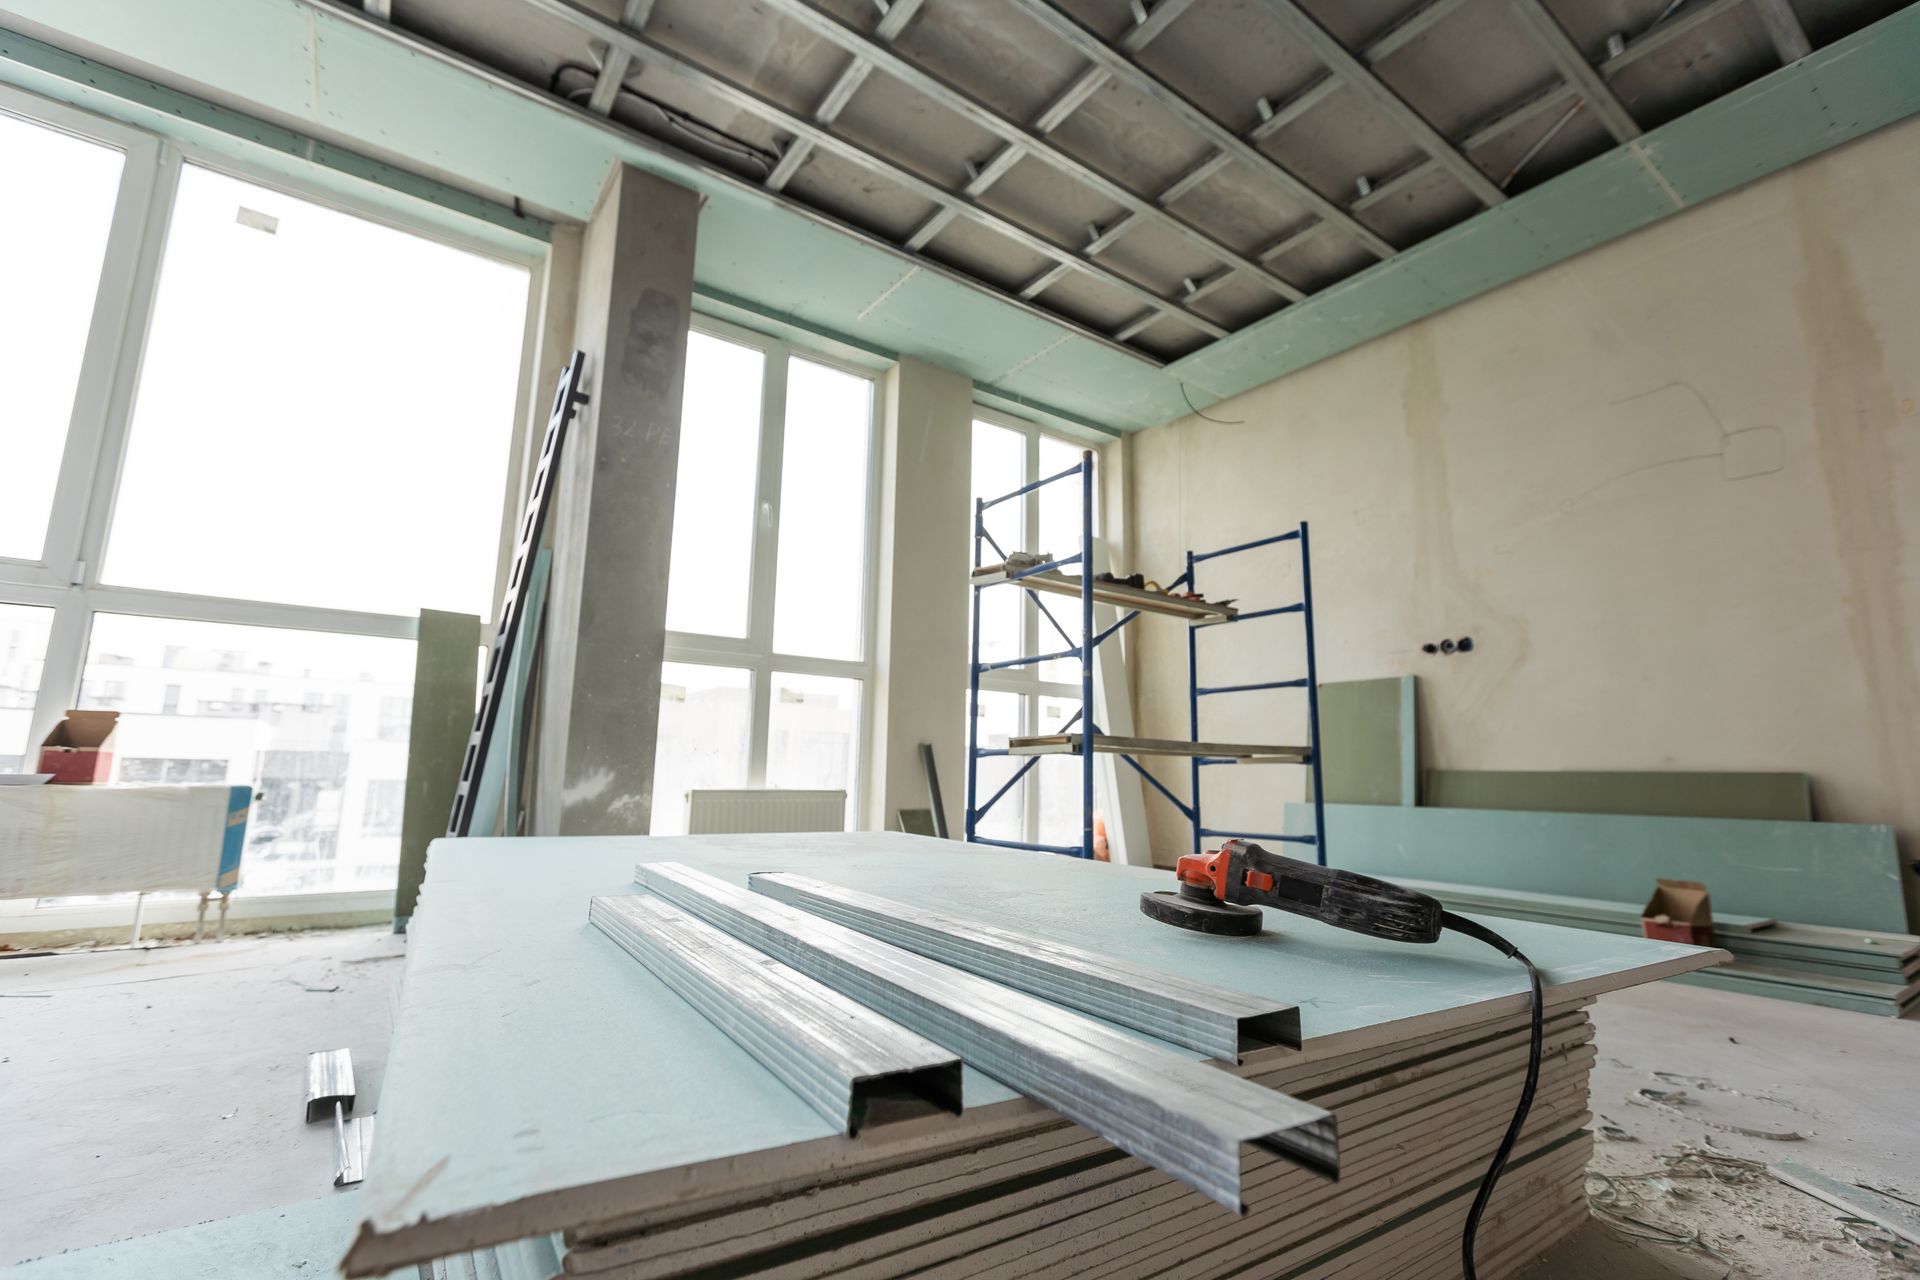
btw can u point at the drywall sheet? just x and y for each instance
(1367, 741)
(1770, 797)
(446, 667)
(539, 1079)
(294, 1242)
(1833, 873)
(86, 840)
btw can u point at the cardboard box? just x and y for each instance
(79, 751)
(1679, 911)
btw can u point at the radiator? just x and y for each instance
(713, 813)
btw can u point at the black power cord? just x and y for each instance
(1536, 1019)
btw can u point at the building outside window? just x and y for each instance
(186, 417)
(770, 593)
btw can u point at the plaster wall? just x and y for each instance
(921, 633)
(1670, 487)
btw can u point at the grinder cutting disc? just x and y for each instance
(1195, 908)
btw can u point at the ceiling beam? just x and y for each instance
(1575, 69)
(891, 24)
(613, 71)
(978, 113)
(746, 99)
(1355, 75)
(1784, 29)
(1124, 68)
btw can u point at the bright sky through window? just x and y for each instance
(324, 411)
(53, 235)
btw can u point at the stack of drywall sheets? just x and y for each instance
(1417, 1126)
(1815, 964)
(542, 1080)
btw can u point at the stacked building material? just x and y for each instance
(543, 1080)
(1862, 970)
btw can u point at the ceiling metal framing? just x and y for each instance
(1581, 84)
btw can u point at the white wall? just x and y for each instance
(920, 634)
(1670, 487)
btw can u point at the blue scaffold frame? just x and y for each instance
(1090, 641)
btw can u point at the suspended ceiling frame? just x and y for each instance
(1080, 376)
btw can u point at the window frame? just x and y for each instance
(1025, 681)
(754, 653)
(66, 577)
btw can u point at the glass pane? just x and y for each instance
(53, 236)
(818, 603)
(316, 722)
(23, 647)
(706, 718)
(999, 720)
(303, 363)
(711, 576)
(813, 735)
(1060, 534)
(999, 465)
(1059, 780)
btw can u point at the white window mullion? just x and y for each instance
(129, 336)
(60, 673)
(766, 556)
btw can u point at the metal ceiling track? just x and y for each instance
(746, 99)
(423, 47)
(1015, 134)
(852, 1066)
(1556, 98)
(1182, 1115)
(1118, 64)
(1208, 1019)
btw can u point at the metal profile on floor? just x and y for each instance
(1182, 1115)
(854, 1067)
(1213, 1020)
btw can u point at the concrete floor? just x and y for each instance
(155, 1089)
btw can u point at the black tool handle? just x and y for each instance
(1343, 899)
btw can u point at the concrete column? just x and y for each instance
(920, 637)
(612, 528)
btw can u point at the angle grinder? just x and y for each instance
(1221, 893)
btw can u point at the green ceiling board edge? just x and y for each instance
(38, 67)
(1852, 87)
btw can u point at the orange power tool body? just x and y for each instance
(1221, 893)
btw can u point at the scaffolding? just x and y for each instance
(1037, 575)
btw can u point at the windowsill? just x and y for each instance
(20, 916)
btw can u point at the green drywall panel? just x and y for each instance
(268, 149)
(1777, 797)
(503, 956)
(302, 1241)
(1367, 741)
(446, 671)
(1842, 874)
(496, 798)
(1780, 991)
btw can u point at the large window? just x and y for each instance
(53, 238)
(23, 651)
(303, 362)
(296, 714)
(247, 437)
(770, 597)
(1044, 806)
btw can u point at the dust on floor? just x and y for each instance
(1696, 1092)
